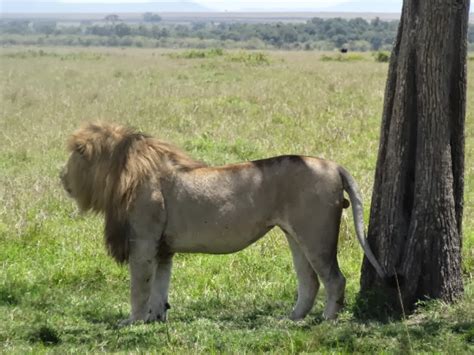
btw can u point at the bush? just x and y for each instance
(382, 57)
(257, 58)
(214, 52)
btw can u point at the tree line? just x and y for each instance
(317, 33)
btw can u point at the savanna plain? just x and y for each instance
(60, 292)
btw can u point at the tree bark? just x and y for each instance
(415, 226)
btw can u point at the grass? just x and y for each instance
(351, 57)
(194, 53)
(59, 292)
(246, 57)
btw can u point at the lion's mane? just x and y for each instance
(110, 163)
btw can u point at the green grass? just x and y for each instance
(59, 292)
(192, 54)
(350, 57)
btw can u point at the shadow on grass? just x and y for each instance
(9, 297)
(46, 335)
(374, 306)
(467, 329)
(11, 293)
(114, 338)
(252, 316)
(110, 319)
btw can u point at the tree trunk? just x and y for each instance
(415, 226)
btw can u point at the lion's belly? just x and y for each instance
(215, 233)
(218, 224)
(214, 241)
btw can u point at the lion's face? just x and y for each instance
(76, 179)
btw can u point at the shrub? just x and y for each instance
(257, 58)
(382, 57)
(213, 52)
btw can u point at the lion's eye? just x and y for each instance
(80, 149)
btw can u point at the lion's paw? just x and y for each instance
(158, 314)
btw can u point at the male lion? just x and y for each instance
(158, 201)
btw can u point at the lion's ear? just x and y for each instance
(80, 146)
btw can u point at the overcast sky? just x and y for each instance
(229, 3)
(232, 5)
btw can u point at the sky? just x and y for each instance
(232, 5)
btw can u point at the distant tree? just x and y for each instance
(15, 27)
(45, 27)
(122, 30)
(164, 32)
(358, 25)
(339, 40)
(69, 30)
(288, 34)
(151, 17)
(376, 42)
(322, 34)
(158, 32)
(112, 18)
(143, 30)
(376, 22)
(182, 31)
(100, 30)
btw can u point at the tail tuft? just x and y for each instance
(345, 203)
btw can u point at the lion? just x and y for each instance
(158, 201)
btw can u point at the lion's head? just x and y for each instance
(107, 165)
(87, 170)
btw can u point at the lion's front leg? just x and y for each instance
(142, 263)
(159, 294)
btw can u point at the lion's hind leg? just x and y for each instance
(334, 283)
(317, 237)
(308, 283)
(324, 262)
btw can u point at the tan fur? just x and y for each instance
(158, 201)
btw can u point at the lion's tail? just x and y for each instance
(350, 186)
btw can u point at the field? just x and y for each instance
(59, 292)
